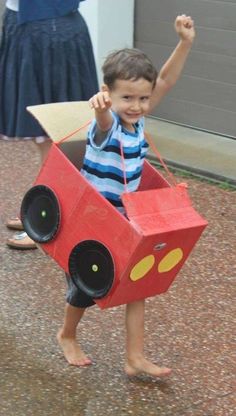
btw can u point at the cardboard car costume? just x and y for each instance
(115, 259)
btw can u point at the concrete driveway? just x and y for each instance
(191, 328)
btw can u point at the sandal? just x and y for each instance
(14, 224)
(21, 241)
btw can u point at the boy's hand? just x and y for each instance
(184, 26)
(100, 102)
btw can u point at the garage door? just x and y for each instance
(205, 96)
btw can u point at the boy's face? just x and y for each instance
(131, 100)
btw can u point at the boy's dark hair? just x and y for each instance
(128, 64)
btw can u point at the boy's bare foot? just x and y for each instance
(72, 351)
(141, 365)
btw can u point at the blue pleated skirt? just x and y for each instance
(42, 62)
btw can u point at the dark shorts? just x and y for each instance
(75, 296)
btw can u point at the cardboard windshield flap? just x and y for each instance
(60, 119)
(113, 258)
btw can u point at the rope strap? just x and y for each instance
(73, 132)
(155, 151)
(149, 141)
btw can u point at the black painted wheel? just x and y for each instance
(40, 214)
(91, 268)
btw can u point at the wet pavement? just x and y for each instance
(190, 328)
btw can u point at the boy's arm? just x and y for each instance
(101, 103)
(172, 69)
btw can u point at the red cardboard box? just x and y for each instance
(115, 259)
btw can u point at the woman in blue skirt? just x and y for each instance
(46, 56)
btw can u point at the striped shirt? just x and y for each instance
(103, 165)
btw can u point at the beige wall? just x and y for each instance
(2, 6)
(106, 33)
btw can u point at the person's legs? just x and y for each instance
(67, 337)
(135, 361)
(21, 240)
(43, 148)
(14, 223)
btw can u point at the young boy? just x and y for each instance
(131, 89)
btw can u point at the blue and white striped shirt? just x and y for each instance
(103, 165)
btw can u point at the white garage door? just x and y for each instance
(205, 97)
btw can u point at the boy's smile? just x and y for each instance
(131, 100)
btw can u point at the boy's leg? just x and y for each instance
(67, 337)
(76, 303)
(135, 361)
